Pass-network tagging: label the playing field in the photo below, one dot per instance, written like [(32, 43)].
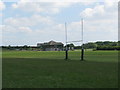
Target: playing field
[(38, 69)]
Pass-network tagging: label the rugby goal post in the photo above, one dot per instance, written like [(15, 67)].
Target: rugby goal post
[(66, 49)]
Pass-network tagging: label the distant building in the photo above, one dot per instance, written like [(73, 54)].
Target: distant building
[(51, 46)]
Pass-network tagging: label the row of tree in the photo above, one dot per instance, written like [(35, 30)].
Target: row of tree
[(25, 47), (106, 45)]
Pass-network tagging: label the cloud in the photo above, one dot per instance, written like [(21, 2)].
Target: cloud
[(26, 25), (101, 20), (25, 29), (97, 10), (66, 0), (1, 14), (29, 7), (53, 7), (13, 35), (34, 24), (108, 3), (2, 6), (106, 9), (38, 7), (100, 23), (28, 21)]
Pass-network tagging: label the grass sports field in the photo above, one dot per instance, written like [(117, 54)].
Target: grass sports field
[(38, 69)]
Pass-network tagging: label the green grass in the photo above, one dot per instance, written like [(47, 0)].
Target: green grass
[(35, 69)]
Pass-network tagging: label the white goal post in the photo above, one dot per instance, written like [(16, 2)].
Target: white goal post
[(82, 51)]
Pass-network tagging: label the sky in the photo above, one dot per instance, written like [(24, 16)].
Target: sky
[(29, 23)]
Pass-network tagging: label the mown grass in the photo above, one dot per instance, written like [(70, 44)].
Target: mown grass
[(36, 69)]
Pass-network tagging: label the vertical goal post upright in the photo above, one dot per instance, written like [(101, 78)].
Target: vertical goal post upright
[(66, 48), (82, 51)]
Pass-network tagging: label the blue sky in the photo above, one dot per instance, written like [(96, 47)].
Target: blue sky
[(27, 23)]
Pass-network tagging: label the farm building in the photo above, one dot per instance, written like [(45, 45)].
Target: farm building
[(51, 46)]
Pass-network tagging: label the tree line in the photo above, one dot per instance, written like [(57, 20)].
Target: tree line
[(99, 45)]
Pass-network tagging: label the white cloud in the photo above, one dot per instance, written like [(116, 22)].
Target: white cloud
[(108, 3), (37, 19), (100, 24), (88, 12), (86, 3), (38, 7), (30, 7), (13, 30), (101, 21), (1, 14), (17, 21), (27, 25), (15, 5), (32, 36), (62, 4), (66, 0), (106, 9), (2, 5), (1, 26), (28, 21), (53, 7), (25, 29), (97, 10)]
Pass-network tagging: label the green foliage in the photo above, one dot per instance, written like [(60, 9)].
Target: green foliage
[(106, 45), (90, 45), (77, 47)]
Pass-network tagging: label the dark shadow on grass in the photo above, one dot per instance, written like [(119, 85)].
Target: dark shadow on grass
[(58, 73), (60, 59)]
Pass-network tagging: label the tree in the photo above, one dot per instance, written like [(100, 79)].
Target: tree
[(25, 47)]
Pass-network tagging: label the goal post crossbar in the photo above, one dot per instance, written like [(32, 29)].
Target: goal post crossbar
[(74, 41), (82, 52)]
